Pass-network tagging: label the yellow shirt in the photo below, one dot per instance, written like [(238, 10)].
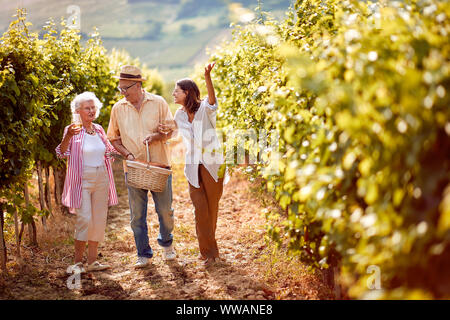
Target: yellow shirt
[(132, 126)]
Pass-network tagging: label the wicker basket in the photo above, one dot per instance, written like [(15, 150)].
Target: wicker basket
[(147, 177)]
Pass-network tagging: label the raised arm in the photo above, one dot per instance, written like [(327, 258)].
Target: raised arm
[(209, 84)]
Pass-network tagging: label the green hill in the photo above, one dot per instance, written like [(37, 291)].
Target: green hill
[(170, 35)]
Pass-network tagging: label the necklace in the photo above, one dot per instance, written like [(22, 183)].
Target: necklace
[(91, 132)]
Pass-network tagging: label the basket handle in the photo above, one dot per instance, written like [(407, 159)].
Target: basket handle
[(148, 153)]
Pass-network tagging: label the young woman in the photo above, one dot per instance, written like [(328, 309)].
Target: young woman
[(196, 122), (89, 185)]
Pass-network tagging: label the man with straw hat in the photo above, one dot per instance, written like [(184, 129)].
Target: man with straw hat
[(134, 120)]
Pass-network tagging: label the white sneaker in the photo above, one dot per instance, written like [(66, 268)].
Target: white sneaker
[(97, 266), (76, 268), (141, 262), (169, 253)]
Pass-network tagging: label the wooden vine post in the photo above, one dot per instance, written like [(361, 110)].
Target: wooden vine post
[(31, 226), (16, 231), (3, 254)]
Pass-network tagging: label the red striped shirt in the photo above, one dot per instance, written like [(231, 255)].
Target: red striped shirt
[(72, 186)]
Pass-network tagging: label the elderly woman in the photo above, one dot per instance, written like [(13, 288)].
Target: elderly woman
[(89, 185)]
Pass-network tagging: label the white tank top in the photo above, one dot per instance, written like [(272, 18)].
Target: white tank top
[(93, 151)]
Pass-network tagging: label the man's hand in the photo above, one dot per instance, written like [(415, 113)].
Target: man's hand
[(117, 144), (152, 137), (166, 127)]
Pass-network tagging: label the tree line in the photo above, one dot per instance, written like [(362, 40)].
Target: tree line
[(359, 95), (38, 79)]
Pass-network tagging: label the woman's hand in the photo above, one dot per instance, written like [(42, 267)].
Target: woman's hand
[(208, 69), (73, 130), (209, 85)]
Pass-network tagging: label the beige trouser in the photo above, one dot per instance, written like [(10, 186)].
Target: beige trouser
[(91, 217), (206, 204)]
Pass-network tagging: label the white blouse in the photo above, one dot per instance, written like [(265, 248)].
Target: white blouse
[(201, 141), (93, 151)]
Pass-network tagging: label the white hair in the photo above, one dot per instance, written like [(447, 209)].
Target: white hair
[(83, 97)]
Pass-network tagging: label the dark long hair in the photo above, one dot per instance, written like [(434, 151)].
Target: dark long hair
[(192, 102)]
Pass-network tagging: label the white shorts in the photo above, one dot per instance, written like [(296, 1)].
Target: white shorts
[(91, 217)]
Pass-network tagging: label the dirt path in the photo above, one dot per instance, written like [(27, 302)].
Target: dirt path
[(249, 268)]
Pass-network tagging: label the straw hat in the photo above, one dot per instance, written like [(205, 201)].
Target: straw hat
[(130, 73)]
